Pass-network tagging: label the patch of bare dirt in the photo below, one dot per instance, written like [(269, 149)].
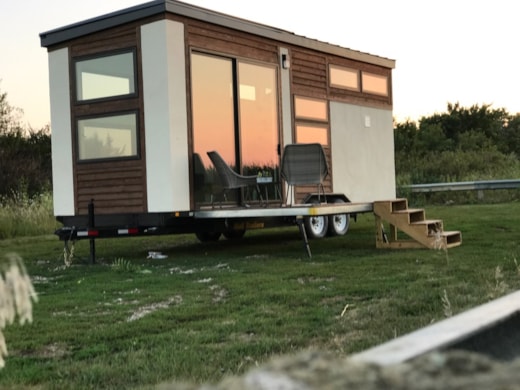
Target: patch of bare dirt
[(147, 309), (51, 351)]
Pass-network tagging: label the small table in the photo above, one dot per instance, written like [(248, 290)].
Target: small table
[(265, 181)]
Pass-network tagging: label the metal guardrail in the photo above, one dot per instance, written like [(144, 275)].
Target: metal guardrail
[(466, 186)]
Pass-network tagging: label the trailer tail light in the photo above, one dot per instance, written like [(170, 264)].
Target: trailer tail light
[(127, 231), (88, 233)]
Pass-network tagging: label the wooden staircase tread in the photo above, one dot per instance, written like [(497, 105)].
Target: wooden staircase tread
[(408, 211), (427, 222), (450, 233)]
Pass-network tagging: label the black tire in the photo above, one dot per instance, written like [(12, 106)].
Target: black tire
[(339, 223), (208, 236), (234, 234), (317, 226)]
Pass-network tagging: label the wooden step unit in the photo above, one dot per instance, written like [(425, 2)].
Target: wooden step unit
[(420, 232)]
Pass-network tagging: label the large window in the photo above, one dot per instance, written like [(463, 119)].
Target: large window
[(312, 120), (108, 137), (106, 76)]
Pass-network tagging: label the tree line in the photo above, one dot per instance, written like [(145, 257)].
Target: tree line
[(463, 143), (25, 154)]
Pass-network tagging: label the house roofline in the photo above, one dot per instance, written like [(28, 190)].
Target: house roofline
[(157, 7)]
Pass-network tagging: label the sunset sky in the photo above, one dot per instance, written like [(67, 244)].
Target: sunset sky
[(445, 51)]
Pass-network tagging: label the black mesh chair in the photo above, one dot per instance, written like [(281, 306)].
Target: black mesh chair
[(229, 178), (304, 164)]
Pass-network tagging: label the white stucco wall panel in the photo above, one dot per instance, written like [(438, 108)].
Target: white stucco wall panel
[(285, 88), (165, 116), (362, 143), (61, 133)]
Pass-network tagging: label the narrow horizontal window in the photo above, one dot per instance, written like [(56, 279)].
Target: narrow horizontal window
[(374, 83), (108, 137), (307, 134), (341, 77), (313, 109), (105, 77)]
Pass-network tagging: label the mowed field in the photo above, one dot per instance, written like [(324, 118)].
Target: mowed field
[(216, 309)]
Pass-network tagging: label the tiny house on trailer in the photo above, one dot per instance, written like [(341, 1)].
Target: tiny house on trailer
[(140, 96)]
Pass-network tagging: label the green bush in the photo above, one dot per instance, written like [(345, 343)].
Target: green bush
[(458, 165), (25, 159), (22, 215), (25, 153), (464, 144)]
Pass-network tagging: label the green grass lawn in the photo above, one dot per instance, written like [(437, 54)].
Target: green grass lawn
[(211, 310)]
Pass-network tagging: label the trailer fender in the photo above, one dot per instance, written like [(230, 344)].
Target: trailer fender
[(328, 198)]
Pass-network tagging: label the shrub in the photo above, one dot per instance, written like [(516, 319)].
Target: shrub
[(22, 215)]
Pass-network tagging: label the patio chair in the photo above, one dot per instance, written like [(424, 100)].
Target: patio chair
[(304, 164), (230, 179)]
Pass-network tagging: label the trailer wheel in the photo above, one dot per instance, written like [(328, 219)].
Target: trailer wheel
[(233, 234), (207, 236), (317, 226), (339, 223)]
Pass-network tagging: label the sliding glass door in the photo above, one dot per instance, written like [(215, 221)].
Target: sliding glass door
[(235, 112), (258, 118)]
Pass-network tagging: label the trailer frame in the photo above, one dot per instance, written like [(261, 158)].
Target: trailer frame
[(218, 220)]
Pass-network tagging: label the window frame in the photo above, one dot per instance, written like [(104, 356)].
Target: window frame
[(316, 126), (375, 75), (111, 53), (311, 121), (136, 156), (347, 69), (312, 118)]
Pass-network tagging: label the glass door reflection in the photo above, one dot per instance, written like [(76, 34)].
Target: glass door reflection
[(213, 120), (244, 131), (259, 136)]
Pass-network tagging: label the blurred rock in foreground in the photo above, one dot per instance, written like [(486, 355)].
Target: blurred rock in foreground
[(322, 371)]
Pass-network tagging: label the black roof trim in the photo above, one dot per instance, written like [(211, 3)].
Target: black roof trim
[(89, 26)]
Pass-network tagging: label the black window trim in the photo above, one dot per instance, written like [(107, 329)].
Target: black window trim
[(137, 156), (108, 53)]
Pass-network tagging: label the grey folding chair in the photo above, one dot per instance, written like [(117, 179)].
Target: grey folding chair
[(231, 179), (304, 164)]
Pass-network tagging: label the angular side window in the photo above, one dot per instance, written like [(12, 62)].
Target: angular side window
[(108, 137), (105, 76)]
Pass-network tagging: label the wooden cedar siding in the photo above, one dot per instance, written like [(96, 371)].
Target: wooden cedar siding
[(222, 40), (309, 74), (117, 186), (309, 79)]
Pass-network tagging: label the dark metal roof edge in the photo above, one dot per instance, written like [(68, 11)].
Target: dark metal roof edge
[(127, 15), (102, 22)]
